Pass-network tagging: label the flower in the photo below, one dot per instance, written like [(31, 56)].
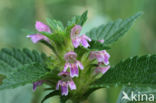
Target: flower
[(65, 82), (41, 27), (37, 37), (72, 63), (36, 84), (77, 39), (101, 56), (83, 40), (102, 69), (101, 41)]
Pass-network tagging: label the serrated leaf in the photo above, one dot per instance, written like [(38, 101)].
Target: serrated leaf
[(83, 18), (95, 45), (79, 20), (26, 74), (136, 71), (113, 30), (13, 59), (56, 25)]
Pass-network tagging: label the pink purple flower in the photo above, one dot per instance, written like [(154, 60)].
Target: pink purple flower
[(72, 63), (78, 39), (65, 82), (101, 56), (101, 41), (36, 84), (102, 69), (37, 37), (41, 27)]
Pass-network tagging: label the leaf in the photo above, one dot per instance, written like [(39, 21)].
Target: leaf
[(26, 74), (79, 20), (19, 95), (90, 91), (13, 59), (51, 94), (56, 26), (63, 99), (135, 71), (94, 45), (80, 51), (113, 30), (83, 18)]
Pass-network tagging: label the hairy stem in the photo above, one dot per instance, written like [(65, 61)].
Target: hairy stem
[(52, 48)]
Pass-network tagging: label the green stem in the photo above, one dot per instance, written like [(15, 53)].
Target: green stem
[(52, 48)]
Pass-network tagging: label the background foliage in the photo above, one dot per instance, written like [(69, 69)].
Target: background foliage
[(19, 15)]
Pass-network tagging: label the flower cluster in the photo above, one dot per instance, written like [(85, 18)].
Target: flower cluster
[(40, 27), (65, 82), (71, 62), (102, 58), (73, 65), (70, 57), (79, 39)]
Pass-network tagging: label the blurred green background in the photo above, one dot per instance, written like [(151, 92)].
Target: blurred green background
[(19, 16)]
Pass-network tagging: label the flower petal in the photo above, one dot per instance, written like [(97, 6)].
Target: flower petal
[(83, 40), (106, 57), (72, 85), (36, 84), (70, 55), (102, 69), (63, 73), (84, 43), (66, 66), (42, 27), (101, 56), (74, 71), (76, 42), (75, 31), (58, 84), (101, 41), (80, 65), (37, 37), (86, 37), (64, 88)]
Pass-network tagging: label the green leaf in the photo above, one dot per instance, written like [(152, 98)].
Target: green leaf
[(95, 45), (79, 20), (22, 94), (26, 74), (113, 30), (13, 59), (56, 26), (46, 34), (51, 94), (135, 71), (63, 99), (83, 18)]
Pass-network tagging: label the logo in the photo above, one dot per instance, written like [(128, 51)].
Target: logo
[(137, 96)]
